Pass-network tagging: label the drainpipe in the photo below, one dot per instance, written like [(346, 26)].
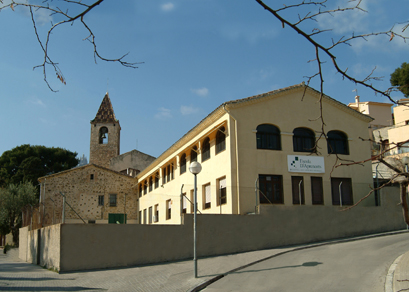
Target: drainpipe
[(63, 209), (125, 219), (255, 190), (378, 197), (340, 194), (299, 191), (237, 157), (181, 203)]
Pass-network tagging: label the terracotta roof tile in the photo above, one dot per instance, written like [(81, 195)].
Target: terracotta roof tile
[(105, 113)]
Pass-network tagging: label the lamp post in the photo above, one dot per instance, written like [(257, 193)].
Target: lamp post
[(195, 168)]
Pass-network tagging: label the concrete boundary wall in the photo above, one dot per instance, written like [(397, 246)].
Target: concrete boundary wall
[(94, 246), (41, 246)]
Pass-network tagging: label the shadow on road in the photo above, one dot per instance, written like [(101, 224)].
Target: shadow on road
[(31, 279), (42, 288), (306, 264)]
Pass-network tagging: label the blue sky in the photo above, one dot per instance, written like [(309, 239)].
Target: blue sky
[(196, 55)]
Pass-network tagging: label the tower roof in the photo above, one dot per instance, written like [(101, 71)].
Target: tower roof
[(105, 113)]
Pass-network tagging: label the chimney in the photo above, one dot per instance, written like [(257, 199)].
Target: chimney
[(357, 99)]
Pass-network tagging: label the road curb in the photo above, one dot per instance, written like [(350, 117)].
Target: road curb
[(391, 272), (335, 241)]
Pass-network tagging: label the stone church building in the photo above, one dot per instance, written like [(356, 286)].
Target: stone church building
[(103, 191)]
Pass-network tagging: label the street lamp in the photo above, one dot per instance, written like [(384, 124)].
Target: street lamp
[(195, 168), (404, 185)]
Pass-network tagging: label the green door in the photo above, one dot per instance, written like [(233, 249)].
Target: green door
[(117, 218)]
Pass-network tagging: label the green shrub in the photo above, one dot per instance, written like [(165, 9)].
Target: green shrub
[(6, 248)]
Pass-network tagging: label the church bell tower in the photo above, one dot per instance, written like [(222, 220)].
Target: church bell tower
[(105, 135)]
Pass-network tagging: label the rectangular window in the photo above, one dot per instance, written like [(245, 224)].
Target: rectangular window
[(112, 200), (207, 196), (297, 183), (91, 177), (184, 203), (156, 213), (171, 171), (403, 148), (317, 190), (168, 209), (271, 189), (343, 185), (101, 200), (168, 173), (221, 185), (144, 216), (140, 217)]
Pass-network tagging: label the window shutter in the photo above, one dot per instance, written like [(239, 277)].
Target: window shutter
[(222, 183), (208, 194), (184, 202)]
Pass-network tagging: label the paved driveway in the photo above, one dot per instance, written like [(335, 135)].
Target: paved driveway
[(350, 266)]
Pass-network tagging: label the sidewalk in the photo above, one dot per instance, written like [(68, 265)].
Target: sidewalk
[(401, 274), (16, 275)]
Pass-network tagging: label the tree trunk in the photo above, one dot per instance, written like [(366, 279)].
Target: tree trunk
[(403, 187), (15, 232)]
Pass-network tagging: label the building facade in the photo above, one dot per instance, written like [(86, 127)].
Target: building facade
[(266, 149), (98, 192), (276, 148), (93, 194)]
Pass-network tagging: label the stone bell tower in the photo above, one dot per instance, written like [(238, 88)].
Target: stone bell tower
[(105, 135)]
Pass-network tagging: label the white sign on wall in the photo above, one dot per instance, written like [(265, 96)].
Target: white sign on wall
[(311, 164)]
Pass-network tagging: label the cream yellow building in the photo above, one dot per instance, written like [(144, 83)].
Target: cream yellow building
[(261, 150), (391, 142), (379, 111)]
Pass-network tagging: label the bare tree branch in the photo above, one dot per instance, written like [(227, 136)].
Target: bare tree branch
[(366, 82), (370, 193), (82, 9)]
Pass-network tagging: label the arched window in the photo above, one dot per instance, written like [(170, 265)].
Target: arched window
[(103, 135), (164, 175), (156, 180), (183, 163), (145, 187), (193, 154), (206, 149), (220, 140), (337, 143), (268, 137), (303, 140), (150, 184)]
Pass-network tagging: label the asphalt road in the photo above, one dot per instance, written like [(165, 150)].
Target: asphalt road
[(360, 265)]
